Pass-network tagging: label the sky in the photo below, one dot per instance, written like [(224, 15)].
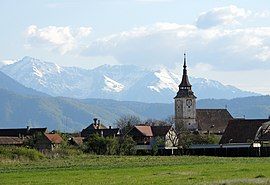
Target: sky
[(228, 41)]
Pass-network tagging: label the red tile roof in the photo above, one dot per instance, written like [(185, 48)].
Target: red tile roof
[(151, 131), (54, 138), (145, 130)]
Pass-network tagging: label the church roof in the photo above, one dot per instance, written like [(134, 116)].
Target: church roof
[(185, 81), (213, 120), (185, 86)]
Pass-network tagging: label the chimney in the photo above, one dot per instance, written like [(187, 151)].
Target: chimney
[(110, 127), (95, 121), (98, 124)]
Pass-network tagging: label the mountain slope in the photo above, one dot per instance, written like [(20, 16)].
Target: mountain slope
[(69, 114), (123, 82), (11, 85)]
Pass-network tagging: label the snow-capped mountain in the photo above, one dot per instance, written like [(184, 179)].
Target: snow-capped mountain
[(121, 82)]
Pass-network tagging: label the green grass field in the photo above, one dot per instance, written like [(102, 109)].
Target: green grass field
[(92, 169)]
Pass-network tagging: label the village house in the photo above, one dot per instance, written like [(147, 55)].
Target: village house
[(48, 141), (98, 128), (76, 141), (38, 137), (247, 131), (18, 136), (147, 136)]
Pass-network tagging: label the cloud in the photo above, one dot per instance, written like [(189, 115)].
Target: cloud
[(222, 16), (164, 44), (263, 14), (62, 39), (154, 1)]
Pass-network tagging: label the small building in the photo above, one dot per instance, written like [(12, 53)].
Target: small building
[(18, 136), (48, 141), (146, 136), (98, 128), (246, 131), (76, 141)]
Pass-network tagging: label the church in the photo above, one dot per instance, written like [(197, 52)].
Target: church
[(188, 117)]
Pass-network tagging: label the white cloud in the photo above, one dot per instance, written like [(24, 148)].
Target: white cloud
[(263, 14), (222, 16), (164, 43), (63, 39)]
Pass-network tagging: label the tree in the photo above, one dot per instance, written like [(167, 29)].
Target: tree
[(125, 123), (126, 146), (109, 146), (154, 122)]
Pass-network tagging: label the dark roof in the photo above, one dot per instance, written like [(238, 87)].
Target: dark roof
[(213, 120), (185, 86), (4, 140), (54, 138), (107, 132), (77, 140), (92, 129), (185, 81), (150, 131), (16, 132), (160, 130), (242, 130)]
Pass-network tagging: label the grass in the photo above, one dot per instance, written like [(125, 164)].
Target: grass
[(93, 169)]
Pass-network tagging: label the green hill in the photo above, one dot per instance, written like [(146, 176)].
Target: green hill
[(69, 114)]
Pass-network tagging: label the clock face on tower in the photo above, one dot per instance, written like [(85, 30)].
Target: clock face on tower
[(189, 102)]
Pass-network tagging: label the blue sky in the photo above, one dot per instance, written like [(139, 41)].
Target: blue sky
[(227, 41)]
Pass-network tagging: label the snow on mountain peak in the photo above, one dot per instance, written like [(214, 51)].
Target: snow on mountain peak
[(166, 81), (111, 85), (123, 82)]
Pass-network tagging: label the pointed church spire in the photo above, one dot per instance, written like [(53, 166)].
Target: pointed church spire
[(185, 81), (185, 65), (185, 87)]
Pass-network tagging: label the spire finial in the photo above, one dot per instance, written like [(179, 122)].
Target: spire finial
[(185, 62)]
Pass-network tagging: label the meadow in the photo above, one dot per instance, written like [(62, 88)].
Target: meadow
[(98, 169)]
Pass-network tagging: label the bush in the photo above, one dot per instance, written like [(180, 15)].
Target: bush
[(12, 152), (109, 146), (187, 139)]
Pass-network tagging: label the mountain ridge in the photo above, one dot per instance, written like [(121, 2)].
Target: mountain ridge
[(119, 82)]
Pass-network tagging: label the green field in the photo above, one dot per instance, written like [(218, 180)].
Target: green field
[(92, 169)]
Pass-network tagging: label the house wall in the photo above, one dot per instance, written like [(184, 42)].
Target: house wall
[(171, 139), (44, 144)]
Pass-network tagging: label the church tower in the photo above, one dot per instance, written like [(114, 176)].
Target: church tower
[(185, 104)]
